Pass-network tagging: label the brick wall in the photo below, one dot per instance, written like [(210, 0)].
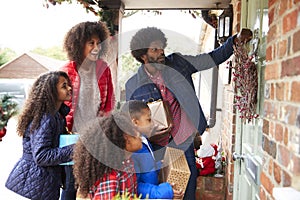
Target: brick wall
[(281, 127), (210, 188)]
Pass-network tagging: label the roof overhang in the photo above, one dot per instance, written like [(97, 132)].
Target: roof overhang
[(165, 4)]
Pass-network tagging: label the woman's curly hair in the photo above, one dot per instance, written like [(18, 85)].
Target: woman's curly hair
[(141, 41), (100, 149), (79, 34), (42, 100)]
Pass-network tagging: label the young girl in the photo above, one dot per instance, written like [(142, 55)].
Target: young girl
[(91, 80), (103, 167), (37, 175)]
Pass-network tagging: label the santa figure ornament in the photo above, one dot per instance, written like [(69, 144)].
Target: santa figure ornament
[(206, 159)]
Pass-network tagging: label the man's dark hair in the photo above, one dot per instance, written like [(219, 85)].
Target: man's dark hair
[(141, 41)]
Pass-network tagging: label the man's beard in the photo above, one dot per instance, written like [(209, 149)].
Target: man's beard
[(158, 63)]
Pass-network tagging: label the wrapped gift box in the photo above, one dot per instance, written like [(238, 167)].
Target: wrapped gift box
[(67, 139), (160, 113), (176, 170)]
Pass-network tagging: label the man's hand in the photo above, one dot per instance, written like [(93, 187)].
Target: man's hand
[(244, 36), (160, 134)]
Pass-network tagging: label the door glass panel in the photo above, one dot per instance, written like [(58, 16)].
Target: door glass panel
[(249, 135)]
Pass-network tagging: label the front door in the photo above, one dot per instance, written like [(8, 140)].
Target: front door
[(248, 144)]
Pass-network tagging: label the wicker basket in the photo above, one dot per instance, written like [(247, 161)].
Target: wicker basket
[(176, 169)]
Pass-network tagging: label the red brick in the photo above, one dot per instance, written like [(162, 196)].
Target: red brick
[(208, 184), (287, 179), (265, 126), (229, 196), (271, 166), (272, 129), (290, 4), (210, 188), (267, 108), (269, 53), (290, 114), (266, 183), (296, 43), (272, 33), (279, 133), (262, 194), (295, 92), (270, 110), (284, 155), (296, 165), (277, 173), (211, 196), (200, 182), (238, 6), (282, 7), (272, 3), (287, 90), (289, 21), (271, 15), (286, 136), (282, 48), (269, 146), (219, 184), (272, 71), (272, 92), (279, 90), (291, 67)]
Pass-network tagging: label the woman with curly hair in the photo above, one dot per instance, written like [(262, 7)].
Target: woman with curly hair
[(91, 79), (37, 175), (103, 167)]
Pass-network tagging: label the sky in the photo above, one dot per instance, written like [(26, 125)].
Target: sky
[(181, 29), (26, 24)]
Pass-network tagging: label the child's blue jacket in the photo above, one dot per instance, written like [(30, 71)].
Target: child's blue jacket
[(147, 175)]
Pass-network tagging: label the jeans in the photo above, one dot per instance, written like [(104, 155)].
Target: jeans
[(69, 191), (188, 148)]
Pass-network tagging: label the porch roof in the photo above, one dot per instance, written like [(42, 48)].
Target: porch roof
[(165, 4)]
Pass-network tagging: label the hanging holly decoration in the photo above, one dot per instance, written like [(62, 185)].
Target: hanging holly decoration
[(246, 82)]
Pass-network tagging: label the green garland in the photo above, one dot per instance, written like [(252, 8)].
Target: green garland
[(106, 15), (8, 108)]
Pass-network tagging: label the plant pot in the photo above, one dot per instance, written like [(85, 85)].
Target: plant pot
[(2, 132)]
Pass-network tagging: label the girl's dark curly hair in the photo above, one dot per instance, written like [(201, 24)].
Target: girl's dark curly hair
[(42, 100), (134, 108), (100, 149), (141, 41), (79, 34)]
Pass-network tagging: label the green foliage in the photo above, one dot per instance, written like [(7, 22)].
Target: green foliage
[(6, 55), (55, 52), (129, 67), (8, 108), (129, 63)]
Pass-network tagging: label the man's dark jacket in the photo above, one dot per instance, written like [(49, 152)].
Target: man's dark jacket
[(177, 76)]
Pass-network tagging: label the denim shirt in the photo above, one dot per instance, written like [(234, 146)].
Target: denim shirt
[(177, 75)]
